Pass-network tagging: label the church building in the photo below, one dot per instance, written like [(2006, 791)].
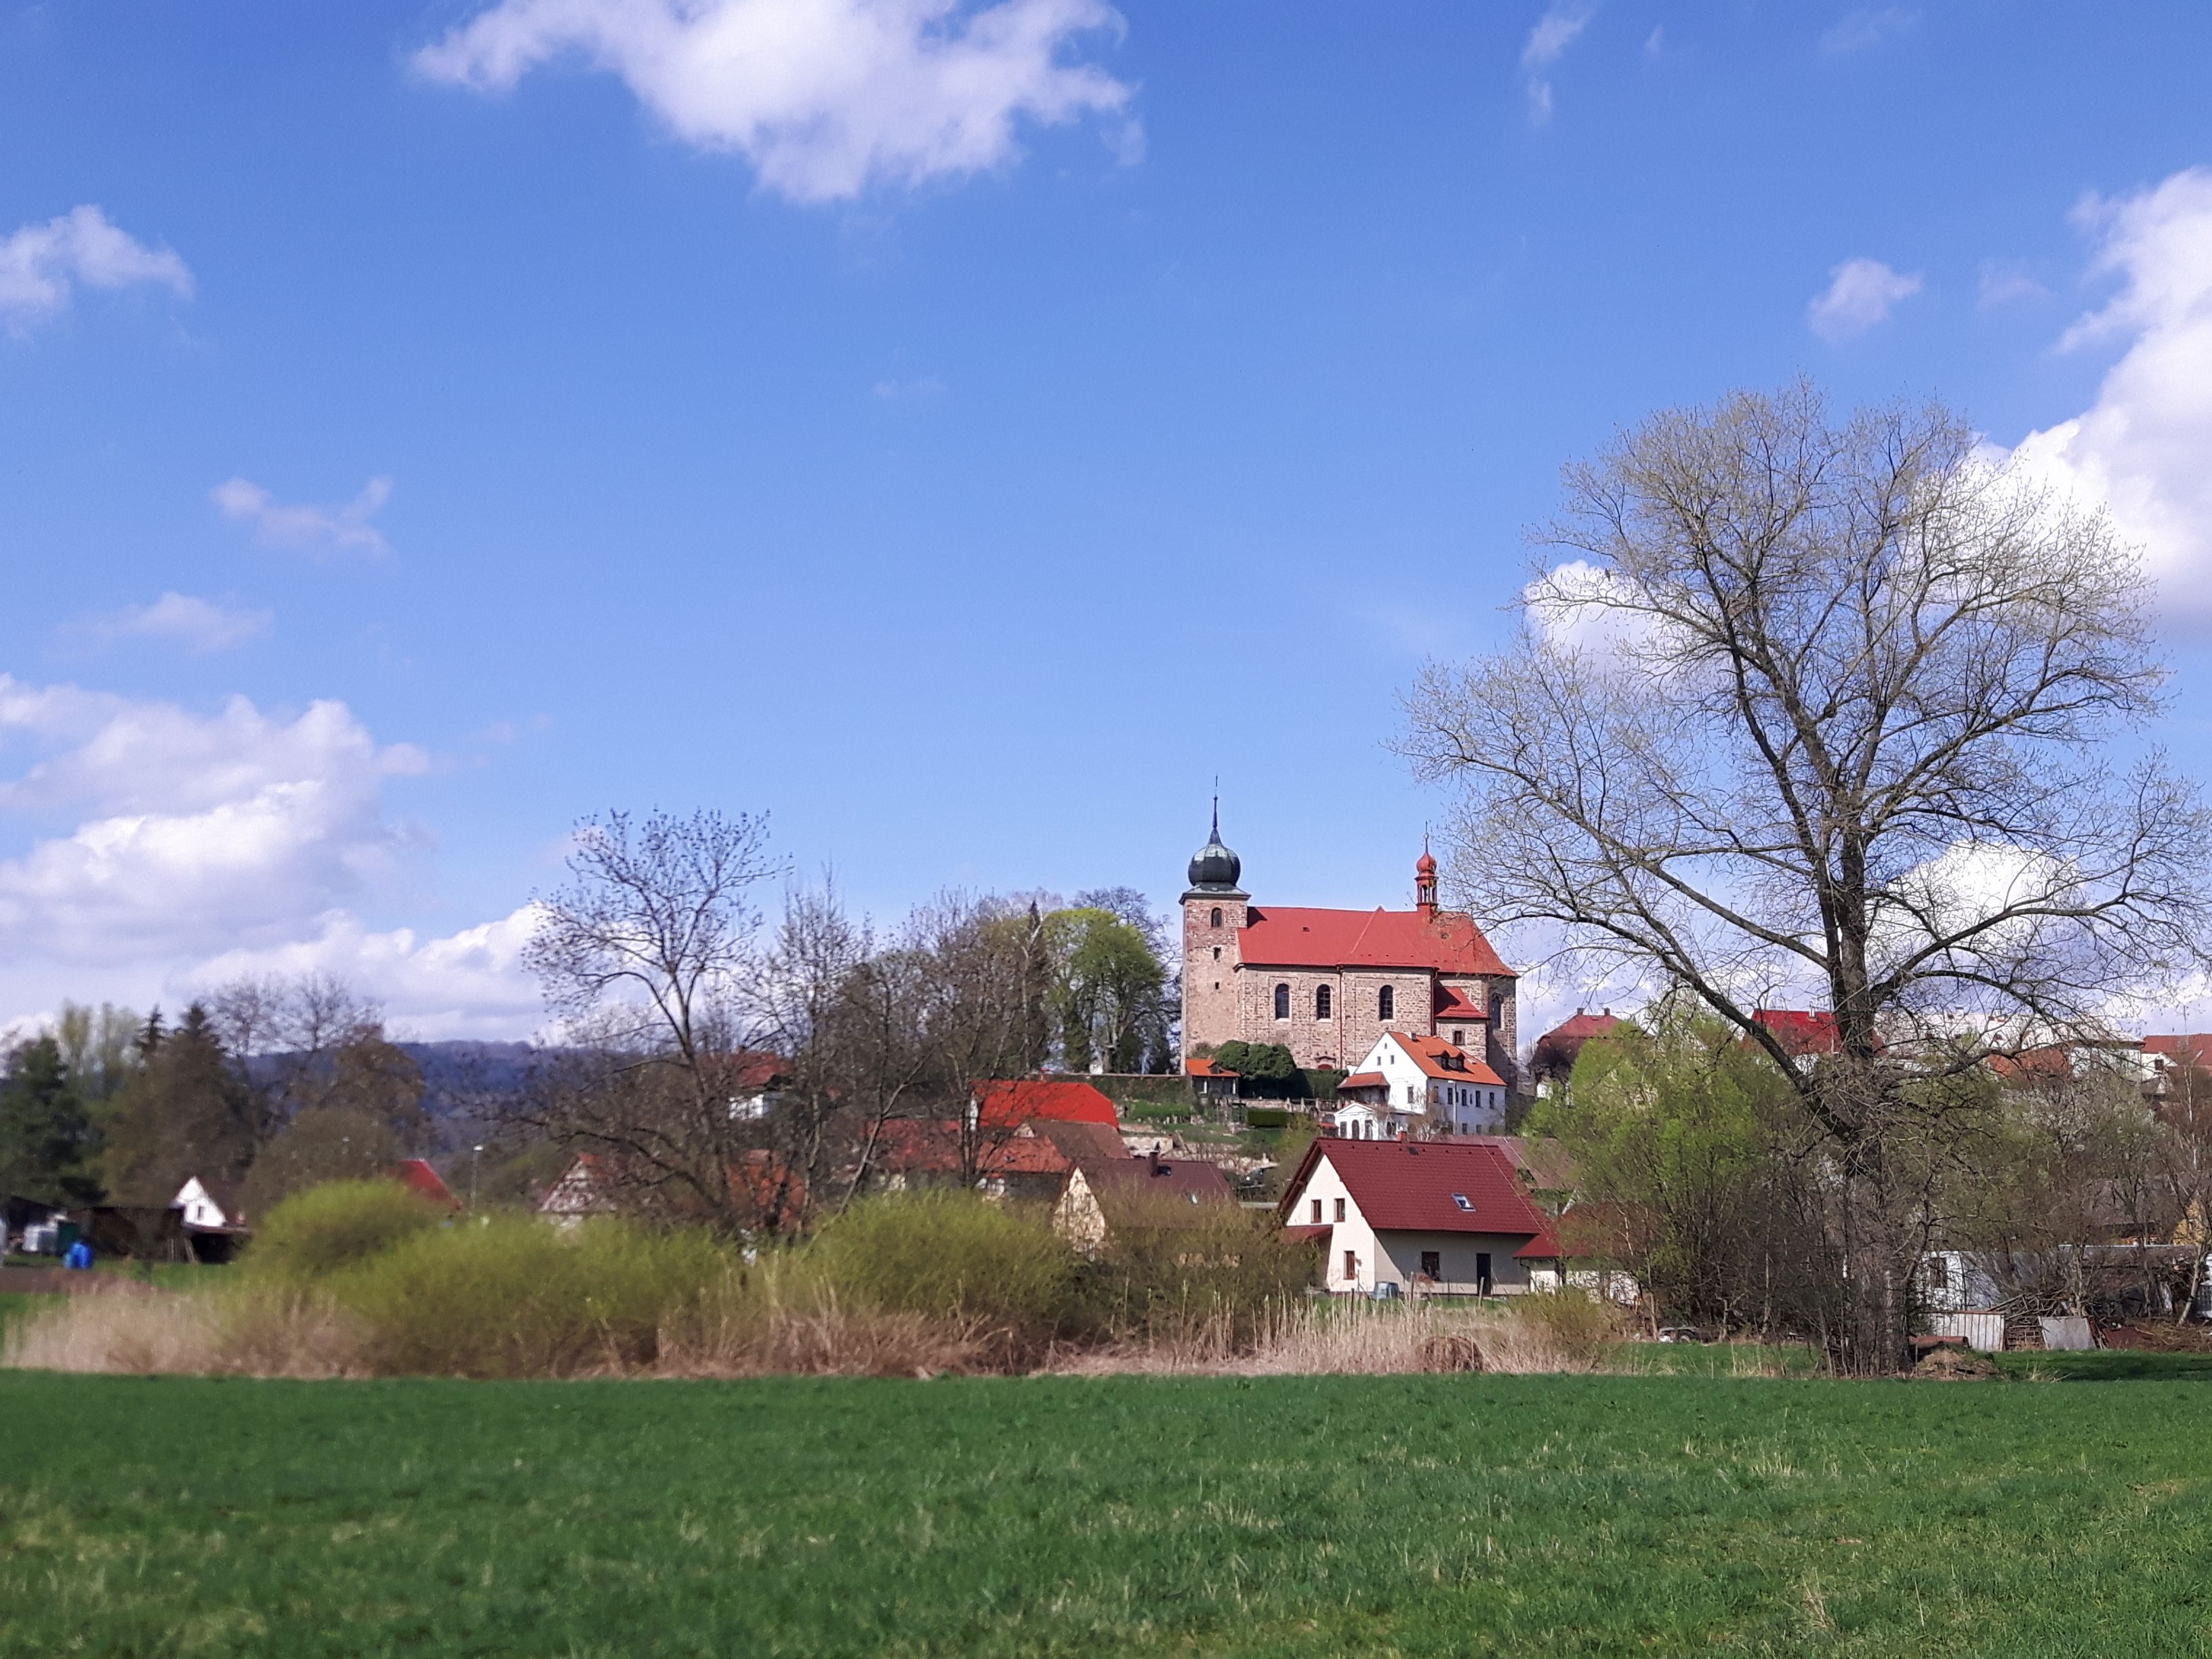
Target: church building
[(1327, 984)]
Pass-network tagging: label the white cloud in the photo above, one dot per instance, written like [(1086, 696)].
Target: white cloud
[(822, 97), (191, 832), (1869, 27), (1860, 295), (2141, 448), (1582, 608), (305, 528), (468, 984), (169, 850), (1555, 31), (40, 265), (197, 624)]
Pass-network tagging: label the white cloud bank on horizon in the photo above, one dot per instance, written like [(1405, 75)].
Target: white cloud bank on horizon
[(172, 849), (197, 624), (1860, 295), (41, 266), (824, 97), (348, 529), (2141, 449)]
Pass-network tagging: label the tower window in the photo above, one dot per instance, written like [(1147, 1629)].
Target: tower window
[(1282, 1002), (1216, 953), (1217, 916), (1321, 1002), (1385, 1003)]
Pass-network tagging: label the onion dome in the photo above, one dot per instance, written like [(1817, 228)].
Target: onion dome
[(1214, 868)]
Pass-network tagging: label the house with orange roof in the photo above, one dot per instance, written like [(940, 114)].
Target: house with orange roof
[(1419, 1085), (1326, 984)]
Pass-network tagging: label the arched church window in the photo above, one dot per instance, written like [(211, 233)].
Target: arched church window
[(1217, 916), (1385, 1003), (1321, 1002), (1282, 1002)]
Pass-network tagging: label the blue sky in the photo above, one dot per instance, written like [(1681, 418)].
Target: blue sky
[(961, 432)]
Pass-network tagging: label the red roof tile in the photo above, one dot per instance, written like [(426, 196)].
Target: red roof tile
[(1447, 942), (1004, 1103), (415, 1173), (1452, 1005), (1800, 1031), (1414, 1186), (925, 1147)]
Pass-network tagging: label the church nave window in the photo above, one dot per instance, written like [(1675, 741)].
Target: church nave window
[(1321, 1002), (1282, 1002), (1385, 1003)]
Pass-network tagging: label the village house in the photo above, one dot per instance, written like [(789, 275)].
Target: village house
[(1419, 1085), (1326, 984), (1432, 1216), (1103, 1193), (1551, 1062)]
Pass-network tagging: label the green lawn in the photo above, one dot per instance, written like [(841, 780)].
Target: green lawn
[(1411, 1516)]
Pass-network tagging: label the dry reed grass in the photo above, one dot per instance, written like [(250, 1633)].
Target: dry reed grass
[(263, 1334)]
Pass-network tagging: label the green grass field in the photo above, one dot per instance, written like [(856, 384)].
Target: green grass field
[(1405, 1515)]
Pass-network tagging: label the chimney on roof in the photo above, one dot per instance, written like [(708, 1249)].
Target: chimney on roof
[(1155, 1159)]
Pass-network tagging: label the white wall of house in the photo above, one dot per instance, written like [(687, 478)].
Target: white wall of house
[(200, 1208), (1359, 1257), (1412, 1097)]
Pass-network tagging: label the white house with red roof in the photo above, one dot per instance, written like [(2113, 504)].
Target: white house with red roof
[(1434, 1217), (1419, 1085), (1327, 984)]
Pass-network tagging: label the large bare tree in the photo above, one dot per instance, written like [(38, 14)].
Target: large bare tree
[(1841, 710), (644, 953)]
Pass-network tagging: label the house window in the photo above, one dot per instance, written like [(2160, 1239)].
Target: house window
[(1321, 1002), (1217, 916), (1216, 953), (1316, 1209), (1939, 1272), (1386, 1004), (1339, 1210), (1409, 1094), (1351, 1264), (1459, 1034), (1282, 1002), (1433, 1264)]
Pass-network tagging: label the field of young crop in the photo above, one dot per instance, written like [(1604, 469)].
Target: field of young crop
[(1405, 1515)]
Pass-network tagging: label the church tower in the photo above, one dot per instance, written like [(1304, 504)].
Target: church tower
[(1213, 909)]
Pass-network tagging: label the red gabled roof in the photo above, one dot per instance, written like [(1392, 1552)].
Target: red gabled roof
[(1447, 942), (1363, 1080), (2183, 1049), (1452, 1005), (1410, 1186), (1201, 1066), (415, 1173), (922, 1147), (1446, 1061), (1005, 1102), (1581, 1028), (1800, 1031)]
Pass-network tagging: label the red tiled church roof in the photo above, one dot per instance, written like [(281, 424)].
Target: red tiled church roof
[(1446, 942), (1452, 1004), (1414, 1186)]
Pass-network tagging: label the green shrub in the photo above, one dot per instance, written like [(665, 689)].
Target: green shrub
[(509, 1296), (1268, 1117), (1171, 1273), (327, 1229), (1582, 1326), (953, 1256)]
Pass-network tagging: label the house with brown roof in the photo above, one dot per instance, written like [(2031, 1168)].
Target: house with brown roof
[(1447, 1218), (1553, 1060), (1419, 1085), (1103, 1193), (1325, 984)]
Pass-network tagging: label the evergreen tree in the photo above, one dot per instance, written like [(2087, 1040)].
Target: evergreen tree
[(187, 1110), (46, 1138)]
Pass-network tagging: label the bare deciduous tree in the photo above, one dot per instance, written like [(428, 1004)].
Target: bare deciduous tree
[(644, 952), (1832, 709)]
